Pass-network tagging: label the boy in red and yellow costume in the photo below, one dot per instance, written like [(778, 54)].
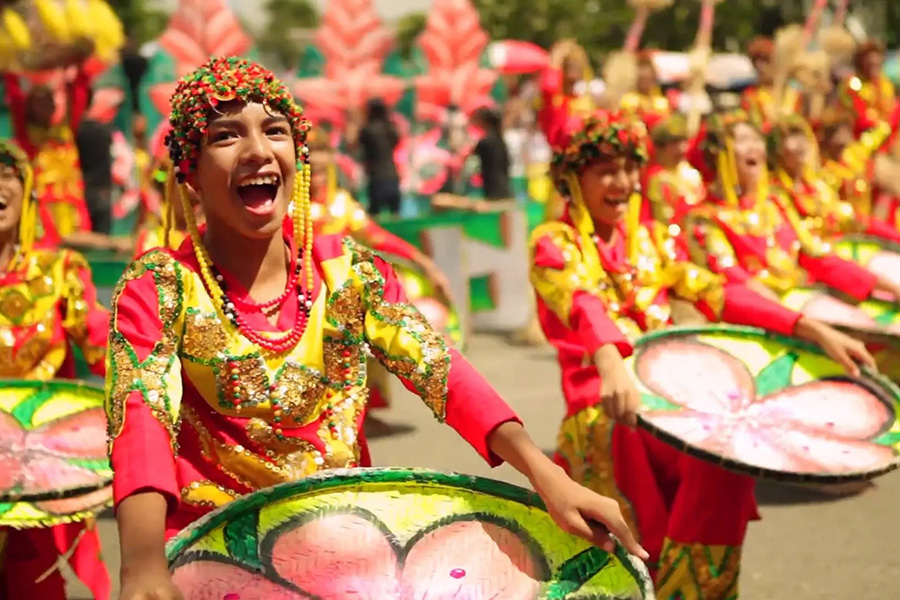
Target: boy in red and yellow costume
[(48, 308), (868, 94), (213, 394), (51, 148), (601, 280), (749, 234), (671, 184), (759, 100), (647, 98), (800, 184)]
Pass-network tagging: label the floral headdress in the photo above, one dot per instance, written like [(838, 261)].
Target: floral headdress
[(223, 80), (13, 156), (600, 136)]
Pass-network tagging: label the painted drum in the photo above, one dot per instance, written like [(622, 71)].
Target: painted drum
[(873, 320), (392, 534), (54, 454), (765, 405)]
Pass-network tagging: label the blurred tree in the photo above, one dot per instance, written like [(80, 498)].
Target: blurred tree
[(278, 41), (601, 25), (142, 23), (407, 30)]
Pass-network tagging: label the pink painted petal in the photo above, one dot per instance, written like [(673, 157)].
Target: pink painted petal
[(836, 312), (886, 264), (12, 444), (470, 560), (93, 501), (700, 429), (338, 556), (697, 376), (44, 472), (830, 454), (839, 408), (210, 580), (80, 435)]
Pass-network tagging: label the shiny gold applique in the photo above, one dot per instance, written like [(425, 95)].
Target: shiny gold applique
[(14, 305), (204, 337), (302, 391), (243, 378), (344, 362), (345, 310), (126, 373), (206, 494)]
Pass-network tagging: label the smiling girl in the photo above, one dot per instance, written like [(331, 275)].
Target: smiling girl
[(238, 361)]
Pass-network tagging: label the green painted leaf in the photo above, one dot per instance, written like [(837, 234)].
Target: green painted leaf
[(242, 539), (886, 318), (891, 438), (777, 375), (93, 464), (24, 411), (574, 572), (653, 402)]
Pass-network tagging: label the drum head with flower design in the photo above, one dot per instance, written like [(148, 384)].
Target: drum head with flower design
[(53, 451), (393, 534), (766, 405)]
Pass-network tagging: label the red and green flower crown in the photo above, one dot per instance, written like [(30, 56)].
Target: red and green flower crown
[(599, 136), (13, 156), (224, 80)]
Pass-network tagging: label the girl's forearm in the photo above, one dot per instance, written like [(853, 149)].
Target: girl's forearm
[(142, 531), (512, 443)]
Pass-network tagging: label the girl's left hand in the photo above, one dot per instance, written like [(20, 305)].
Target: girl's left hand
[(840, 347), (582, 512)]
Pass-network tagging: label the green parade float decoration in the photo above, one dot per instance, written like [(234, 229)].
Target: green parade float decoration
[(391, 534)]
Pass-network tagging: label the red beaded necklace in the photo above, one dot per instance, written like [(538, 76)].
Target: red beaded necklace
[(279, 344)]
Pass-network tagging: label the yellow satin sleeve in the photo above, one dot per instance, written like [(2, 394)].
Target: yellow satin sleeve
[(398, 335), (557, 286)]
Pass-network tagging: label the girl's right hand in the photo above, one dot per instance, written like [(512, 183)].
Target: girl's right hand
[(152, 584)]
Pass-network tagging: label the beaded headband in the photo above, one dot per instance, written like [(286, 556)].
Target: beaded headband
[(600, 136), (13, 156), (220, 80)]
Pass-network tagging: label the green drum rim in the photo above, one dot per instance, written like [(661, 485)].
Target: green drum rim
[(865, 334), (873, 382), (581, 567), (51, 387), (862, 238)]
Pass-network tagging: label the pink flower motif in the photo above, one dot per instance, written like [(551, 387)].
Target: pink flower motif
[(41, 460), (822, 427), (340, 556)]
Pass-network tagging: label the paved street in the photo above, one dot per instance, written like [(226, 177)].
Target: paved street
[(806, 547)]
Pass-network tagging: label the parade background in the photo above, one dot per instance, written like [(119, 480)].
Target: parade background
[(426, 60)]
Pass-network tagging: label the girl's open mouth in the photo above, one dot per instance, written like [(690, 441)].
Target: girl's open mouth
[(259, 193)]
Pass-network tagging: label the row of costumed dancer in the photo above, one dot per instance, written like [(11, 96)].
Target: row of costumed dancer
[(212, 394)]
